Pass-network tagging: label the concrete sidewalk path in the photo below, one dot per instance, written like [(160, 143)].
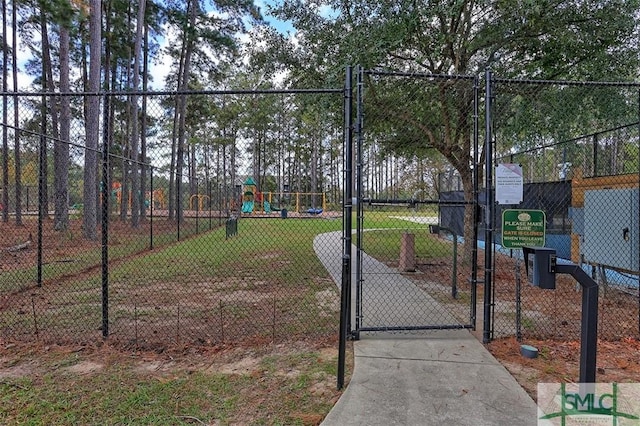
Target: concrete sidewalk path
[(443, 377)]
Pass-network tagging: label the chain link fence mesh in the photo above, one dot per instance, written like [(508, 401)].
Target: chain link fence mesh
[(268, 164), (415, 270), (577, 145), (228, 249)]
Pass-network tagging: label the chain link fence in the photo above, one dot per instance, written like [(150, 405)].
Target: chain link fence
[(415, 272), (224, 226), (205, 224), (577, 146)]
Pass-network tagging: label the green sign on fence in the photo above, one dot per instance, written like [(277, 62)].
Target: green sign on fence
[(523, 228)]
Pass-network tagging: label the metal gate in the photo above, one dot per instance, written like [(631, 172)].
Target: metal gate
[(415, 250)]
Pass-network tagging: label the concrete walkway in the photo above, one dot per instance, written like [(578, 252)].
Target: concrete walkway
[(442, 377)]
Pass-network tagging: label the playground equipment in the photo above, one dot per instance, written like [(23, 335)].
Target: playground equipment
[(156, 197), (254, 201), (249, 196), (201, 199), (299, 204), (247, 206)]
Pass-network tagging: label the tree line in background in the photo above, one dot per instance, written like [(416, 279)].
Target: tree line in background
[(110, 47), (92, 46), (533, 39)]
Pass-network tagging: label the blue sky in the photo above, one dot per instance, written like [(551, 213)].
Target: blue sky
[(282, 26)]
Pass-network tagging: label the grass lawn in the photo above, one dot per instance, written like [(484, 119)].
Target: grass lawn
[(285, 376), (270, 385), (259, 380)]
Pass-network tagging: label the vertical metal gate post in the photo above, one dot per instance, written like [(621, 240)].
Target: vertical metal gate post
[(151, 208), (42, 202), (359, 206), (476, 166), (638, 230), (488, 216), (197, 207), (105, 218), (345, 294)]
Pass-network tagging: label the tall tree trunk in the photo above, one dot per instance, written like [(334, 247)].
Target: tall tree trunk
[(92, 125), (263, 171), (184, 85), (173, 177), (222, 176), (193, 178), (128, 156), (16, 118), (61, 149), (172, 164), (143, 128), (49, 86), (314, 170), (232, 164), (135, 119), (109, 82)]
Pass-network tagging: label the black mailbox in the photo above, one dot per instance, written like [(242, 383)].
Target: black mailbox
[(540, 264)]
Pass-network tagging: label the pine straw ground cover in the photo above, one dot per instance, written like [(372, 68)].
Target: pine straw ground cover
[(559, 361)]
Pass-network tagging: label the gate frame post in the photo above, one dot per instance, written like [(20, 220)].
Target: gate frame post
[(359, 206), (488, 217), (345, 288), (476, 204)]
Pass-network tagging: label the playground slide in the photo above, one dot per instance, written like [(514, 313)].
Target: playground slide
[(247, 206), (268, 208)]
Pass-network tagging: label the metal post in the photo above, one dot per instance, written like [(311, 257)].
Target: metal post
[(220, 203), (359, 206), (151, 210), (595, 155), (454, 272), (518, 301), (476, 204), (42, 203), (345, 294), (589, 322), (197, 207), (488, 231), (178, 200), (105, 219)]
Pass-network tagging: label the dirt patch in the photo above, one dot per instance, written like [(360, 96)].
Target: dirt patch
[(246, 365), (85, 367), (16, 371)]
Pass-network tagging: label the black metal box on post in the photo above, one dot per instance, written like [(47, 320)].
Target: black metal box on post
[(542, 262)]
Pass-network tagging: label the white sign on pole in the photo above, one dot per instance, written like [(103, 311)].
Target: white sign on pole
[(509, 183)]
